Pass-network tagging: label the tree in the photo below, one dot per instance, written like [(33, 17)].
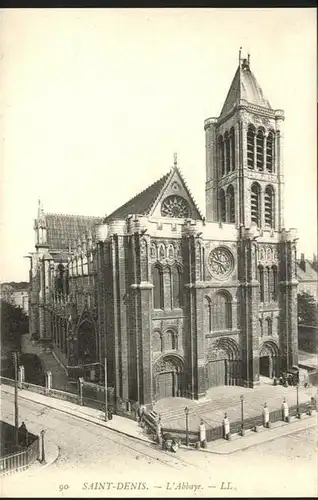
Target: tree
[(307, 309), (14, 321)]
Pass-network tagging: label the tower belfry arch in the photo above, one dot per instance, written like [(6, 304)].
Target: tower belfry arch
[(244, 146)]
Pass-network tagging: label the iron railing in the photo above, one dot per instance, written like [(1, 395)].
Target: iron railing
[(20, 460)]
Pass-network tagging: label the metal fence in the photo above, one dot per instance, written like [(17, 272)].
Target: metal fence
[(94, 397), (21, 460)]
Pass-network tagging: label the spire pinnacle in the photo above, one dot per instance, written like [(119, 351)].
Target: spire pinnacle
[(240, 55), (175, 159)]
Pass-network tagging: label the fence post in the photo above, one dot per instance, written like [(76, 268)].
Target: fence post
[(48, 380), (80, 383), (226, 427), (266, 422)]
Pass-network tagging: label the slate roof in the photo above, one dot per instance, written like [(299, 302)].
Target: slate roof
[(244, 86), (309, 274), (63, 229), (142, 202)]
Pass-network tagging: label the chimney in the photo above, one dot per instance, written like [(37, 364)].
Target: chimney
[(302, 262)]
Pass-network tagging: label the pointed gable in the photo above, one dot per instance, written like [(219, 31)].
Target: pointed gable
[(176, 190), (148, 202), (244, 86)]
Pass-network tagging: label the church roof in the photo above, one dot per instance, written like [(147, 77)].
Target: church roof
[(244, 86), (142, 202), (145, 202), (63, 229)]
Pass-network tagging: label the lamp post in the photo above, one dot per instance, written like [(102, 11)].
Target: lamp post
[(43, 461), (297, 392), (242, 414), (186, 411), (16, 410), (105, 382)]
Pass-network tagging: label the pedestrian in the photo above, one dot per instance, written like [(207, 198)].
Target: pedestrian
[(23, 433), (202, 433), (285, 410), (159, 430)]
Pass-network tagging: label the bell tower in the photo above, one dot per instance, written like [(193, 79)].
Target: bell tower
[(244, 161)]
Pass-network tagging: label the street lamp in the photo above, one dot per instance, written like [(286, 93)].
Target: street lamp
[(42, 461), (242, 414), (16, 409), (297, 392), (186, 411)]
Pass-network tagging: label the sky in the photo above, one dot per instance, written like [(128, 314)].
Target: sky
[(94, 103)]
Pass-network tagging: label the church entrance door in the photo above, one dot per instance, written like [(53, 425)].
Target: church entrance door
[(217, 373), (269, 360), (165, 386), (264, 366)]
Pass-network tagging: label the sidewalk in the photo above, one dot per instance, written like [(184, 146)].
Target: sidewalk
[(131, 428), (118, 424), (279, 429)]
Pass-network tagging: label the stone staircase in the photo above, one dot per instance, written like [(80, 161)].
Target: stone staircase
[(227, 400)]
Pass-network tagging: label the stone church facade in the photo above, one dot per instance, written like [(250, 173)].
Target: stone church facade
[(178, 302)]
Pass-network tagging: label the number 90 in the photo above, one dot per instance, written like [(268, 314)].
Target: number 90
[(63, 487)]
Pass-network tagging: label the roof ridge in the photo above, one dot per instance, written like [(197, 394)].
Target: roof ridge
[(74, 215), (131, 200), (190, 192), (168, 175)]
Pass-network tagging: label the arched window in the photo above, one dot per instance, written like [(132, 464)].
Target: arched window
[(230, 204), (59, 280), (222, 209), (227, 152), (157, 280), (221, 312), (260, 150), (255, 203), (274, 284), (207, 320), (270, 152), (269, 326), (176, 288), (221, 156), (269, 207), (261, 283), (251, 147), (170, 340), (268, 279), (174, 339), (232, 138)]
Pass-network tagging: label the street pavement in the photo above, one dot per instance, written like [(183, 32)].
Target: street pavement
[(91, 456)]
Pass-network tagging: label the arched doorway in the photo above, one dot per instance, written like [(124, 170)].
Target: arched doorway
[(223, 366), (168, 377), (269, 359), (86, 342)]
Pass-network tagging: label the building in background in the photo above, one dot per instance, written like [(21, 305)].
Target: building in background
[(16, 294), (179, 302), (307, 276)]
